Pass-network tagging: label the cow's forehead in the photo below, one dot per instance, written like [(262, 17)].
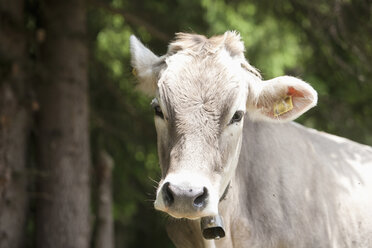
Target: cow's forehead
[(199, 93), (190, 82)]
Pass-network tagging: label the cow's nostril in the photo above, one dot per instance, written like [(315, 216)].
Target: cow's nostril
[(201, 198), (167, 195)]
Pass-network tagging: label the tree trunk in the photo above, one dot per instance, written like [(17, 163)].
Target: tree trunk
[(105, 226), (63, 213), (14, 125)]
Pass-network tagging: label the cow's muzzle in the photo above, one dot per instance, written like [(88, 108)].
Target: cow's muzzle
[(184, 199), (187, 195)]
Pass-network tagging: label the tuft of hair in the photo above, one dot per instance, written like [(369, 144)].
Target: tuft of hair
[(199, 44), (187, 41), (233, 43)]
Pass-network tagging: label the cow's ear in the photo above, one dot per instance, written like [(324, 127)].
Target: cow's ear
[(143, 63), (281, 99)]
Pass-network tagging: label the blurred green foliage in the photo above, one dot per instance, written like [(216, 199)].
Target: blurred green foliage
[(326, 43)]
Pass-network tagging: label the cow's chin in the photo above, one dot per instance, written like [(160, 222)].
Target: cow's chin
[(195, 215)]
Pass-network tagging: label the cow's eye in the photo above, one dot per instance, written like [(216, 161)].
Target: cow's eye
[(237, 117), (157, 110)]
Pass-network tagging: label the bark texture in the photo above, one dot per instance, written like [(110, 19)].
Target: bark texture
[(14, 125), (105, 227), (63, 213)]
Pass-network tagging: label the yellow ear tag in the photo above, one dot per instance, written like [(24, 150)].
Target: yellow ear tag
[(283, 106), (134, 72)]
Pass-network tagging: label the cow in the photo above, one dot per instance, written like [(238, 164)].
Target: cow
[(236, 171)]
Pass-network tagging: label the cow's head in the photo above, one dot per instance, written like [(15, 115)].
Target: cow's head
[(203, 89)]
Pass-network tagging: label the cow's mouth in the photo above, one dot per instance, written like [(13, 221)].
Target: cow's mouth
[(187, 195)]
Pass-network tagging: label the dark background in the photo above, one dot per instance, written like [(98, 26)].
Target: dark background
[(70, 117)]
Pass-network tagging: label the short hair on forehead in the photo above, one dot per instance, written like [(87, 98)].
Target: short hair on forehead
[(200, 45)]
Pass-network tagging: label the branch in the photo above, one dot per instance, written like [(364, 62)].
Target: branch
[(135, 20)]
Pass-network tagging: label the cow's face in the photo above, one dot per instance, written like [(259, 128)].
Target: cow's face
[(199, 113), (203, 89)]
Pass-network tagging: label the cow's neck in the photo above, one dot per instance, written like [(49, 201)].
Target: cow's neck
[(230, 211)]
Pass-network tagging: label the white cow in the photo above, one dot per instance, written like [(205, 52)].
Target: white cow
[(228, 152)]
